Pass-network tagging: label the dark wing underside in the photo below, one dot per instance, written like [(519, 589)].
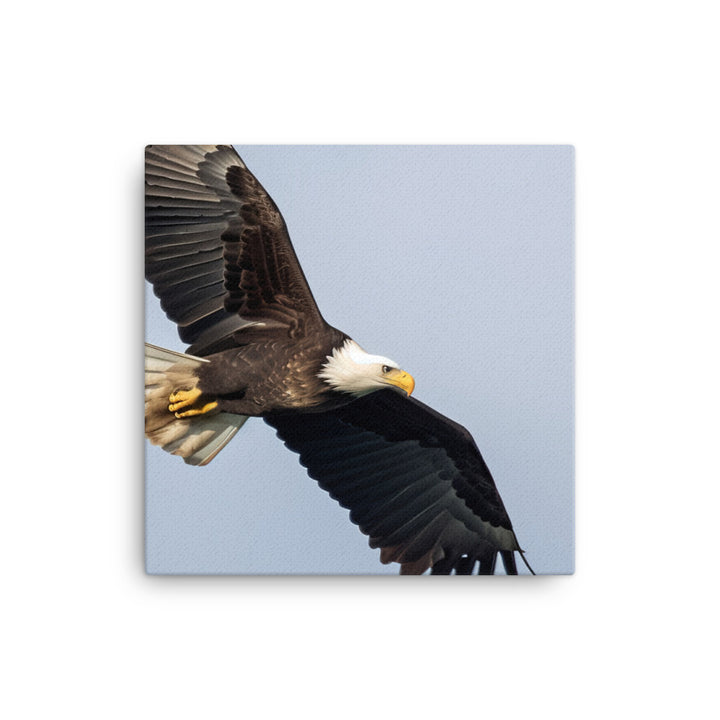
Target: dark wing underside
[(413, 480), (217, 250)]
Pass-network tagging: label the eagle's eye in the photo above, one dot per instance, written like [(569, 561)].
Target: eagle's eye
[(386, 368)]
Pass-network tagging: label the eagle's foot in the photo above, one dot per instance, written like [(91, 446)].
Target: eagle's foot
[(181, 399), (208, 407)]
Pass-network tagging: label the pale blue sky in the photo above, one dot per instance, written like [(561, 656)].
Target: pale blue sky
[(458, 263)]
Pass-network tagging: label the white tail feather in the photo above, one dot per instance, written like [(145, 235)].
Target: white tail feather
[(197, 439)]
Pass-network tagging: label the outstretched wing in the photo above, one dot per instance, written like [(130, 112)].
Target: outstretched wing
[(413, 480), (217, 249)]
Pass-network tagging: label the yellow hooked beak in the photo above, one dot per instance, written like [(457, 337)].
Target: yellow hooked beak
[(401, 379)]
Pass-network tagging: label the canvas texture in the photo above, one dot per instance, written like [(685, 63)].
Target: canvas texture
[(458, 263)]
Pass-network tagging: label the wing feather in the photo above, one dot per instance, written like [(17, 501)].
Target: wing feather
[(413, 480), (205, 213)]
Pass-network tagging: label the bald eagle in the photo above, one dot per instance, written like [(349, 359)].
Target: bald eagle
[(219, 257)]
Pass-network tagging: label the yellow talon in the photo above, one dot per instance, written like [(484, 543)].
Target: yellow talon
[(197, 411), (183, 398)]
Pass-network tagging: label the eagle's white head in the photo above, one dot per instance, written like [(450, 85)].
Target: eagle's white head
[(352, 370)]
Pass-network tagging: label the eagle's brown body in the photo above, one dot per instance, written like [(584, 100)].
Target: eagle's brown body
[(274, 375)]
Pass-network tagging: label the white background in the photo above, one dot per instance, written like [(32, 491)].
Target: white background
[(633, 86)]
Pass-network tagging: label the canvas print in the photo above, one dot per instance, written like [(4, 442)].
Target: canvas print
[(359, 359)]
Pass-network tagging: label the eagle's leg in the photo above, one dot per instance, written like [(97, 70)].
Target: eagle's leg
[(185, 399)]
